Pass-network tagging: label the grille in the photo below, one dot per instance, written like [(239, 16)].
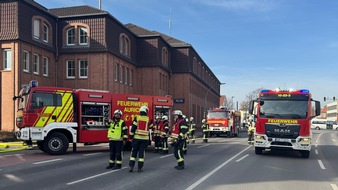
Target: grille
[(282, 130)]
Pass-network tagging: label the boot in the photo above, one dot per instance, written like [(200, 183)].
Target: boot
[(110, 166), (139, 170), (131, 168), (180, 165), (117, 167), (193, 141)]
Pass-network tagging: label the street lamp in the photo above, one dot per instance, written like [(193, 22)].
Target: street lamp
[(206, 95)]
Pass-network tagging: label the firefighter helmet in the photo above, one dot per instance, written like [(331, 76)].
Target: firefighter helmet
[(177, 112), (158, 117), (191, 118), (165, 117), (144, 109), (184, 116), (119, 112), (203, 120)]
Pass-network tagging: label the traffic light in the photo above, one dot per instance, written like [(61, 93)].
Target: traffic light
[(324, 99), (334, 98)]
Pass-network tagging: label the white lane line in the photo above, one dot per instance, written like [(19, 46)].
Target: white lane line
[(166, 156), (316, 145), (47, 161), (334, 186), (215, 170), (223, 140), (321, 165), (94, 176), (13, 178), (333, 139), (242, 158), (91, 154), (316, 151), (203, 146)]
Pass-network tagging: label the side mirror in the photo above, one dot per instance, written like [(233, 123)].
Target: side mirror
[(317, 104), (251, 107)]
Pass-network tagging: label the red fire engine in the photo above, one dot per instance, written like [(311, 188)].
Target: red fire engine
[(283, 120), (223, 121), (55, 117)]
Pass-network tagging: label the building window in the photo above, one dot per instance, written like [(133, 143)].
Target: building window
[(7, 59), (70, 69), (121, 74), (83, 36), (45, 66), (130, 77), (126, 76), (36, 29), (26, 61), (83, 68), (116, 72), (45, 33), (124, 45), (165, 56), (36, 64), (71, 36)]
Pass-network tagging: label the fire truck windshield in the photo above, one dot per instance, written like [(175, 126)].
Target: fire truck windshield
[(22, 98), (214, 115), (284, 109)]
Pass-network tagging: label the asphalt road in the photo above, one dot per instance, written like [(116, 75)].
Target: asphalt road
[(223, 163)]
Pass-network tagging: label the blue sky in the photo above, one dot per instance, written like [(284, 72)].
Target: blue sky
[(248, 44)]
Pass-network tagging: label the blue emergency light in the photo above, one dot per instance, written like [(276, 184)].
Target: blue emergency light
[(304, 91), (34, 83)]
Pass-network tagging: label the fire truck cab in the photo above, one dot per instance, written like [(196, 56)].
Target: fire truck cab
[(223, 121)]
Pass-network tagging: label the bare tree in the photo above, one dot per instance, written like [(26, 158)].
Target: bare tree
[(249, 97)]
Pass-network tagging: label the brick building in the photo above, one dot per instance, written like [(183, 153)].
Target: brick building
[(85, 47)]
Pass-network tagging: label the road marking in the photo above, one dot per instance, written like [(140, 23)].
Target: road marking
[(316, 145), (321, 165), (94, 176), (47, 161), (166, 156), (203, 146), (334, 186), (242, 158), (316, 151), (91, 154), (333, 139), (215, 170), (223, 140)]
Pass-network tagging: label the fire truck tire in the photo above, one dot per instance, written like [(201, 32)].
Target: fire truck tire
[(258, 150), (230, 133), (40, 145), (56, 144), (305, 153)]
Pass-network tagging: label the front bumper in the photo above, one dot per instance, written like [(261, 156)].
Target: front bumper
[(219, 129), (300, 143), (30, 133)]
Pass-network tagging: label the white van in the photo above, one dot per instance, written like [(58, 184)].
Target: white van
[(318, 124)]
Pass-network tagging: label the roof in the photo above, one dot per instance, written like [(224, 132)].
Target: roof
[(84, 10), (142, 32)]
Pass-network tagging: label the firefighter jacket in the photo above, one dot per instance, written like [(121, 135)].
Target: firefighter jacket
[(205, 127), (140, 127), (251, 129), (180, 130), (192, 126), (164, 128), (157, 128), (117, 130)]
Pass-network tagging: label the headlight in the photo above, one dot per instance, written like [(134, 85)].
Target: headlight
[(258, 137), (305, 140)]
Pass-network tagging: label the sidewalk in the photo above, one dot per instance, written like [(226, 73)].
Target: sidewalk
[(12, 146)]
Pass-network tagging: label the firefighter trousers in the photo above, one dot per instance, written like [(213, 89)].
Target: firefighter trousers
[(158, 144), (165, 147), (115, 148), (205, 136), (138, 150), (192, 135), (178, 152)]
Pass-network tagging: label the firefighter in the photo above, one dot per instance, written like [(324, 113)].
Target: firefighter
[(139, 135), (192, 128), (178, 134), (164, 134), (205, 128), (186, 138), (117, 134), (251, 131), (157, 134)]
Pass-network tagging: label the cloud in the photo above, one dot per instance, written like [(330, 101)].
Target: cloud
[(243, 5)]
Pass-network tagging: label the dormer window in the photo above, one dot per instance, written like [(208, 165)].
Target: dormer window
[(125, 45), (71, 36), (45, 33), (83, 35)]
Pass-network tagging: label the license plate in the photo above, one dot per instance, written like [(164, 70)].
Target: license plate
[(216, 125), (281, 140)]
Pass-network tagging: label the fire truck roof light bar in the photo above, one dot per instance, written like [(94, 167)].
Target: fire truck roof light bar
[(131, 98), (161, 100), (94, 96)]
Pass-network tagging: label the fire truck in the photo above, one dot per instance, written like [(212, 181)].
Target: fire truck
[(282, 120), (223, 121), (55, 116)]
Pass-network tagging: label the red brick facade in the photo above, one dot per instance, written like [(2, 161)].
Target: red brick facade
[(121, 58)]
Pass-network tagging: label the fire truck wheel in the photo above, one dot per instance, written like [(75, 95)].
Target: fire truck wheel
[(258, 150), (56, 144), (305, 153), (40, 145)]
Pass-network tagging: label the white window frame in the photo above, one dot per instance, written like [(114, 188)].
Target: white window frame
[(45, 66), (25, 57), (116, 72), (85, 69), (7, 59), (86, 35), (36, 29), (67, 69), (36, 64), (45, 33), (121, 74), (67, 36), (126, 76)]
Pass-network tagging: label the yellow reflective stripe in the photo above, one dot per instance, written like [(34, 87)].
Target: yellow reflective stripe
[(43, 120), (134, 123), (112, 161), (141, 137), (184, 127), (141, 159), (67, 104), (125, 136), (132, 158), (118, 162), (174, 135), (142, 132)]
